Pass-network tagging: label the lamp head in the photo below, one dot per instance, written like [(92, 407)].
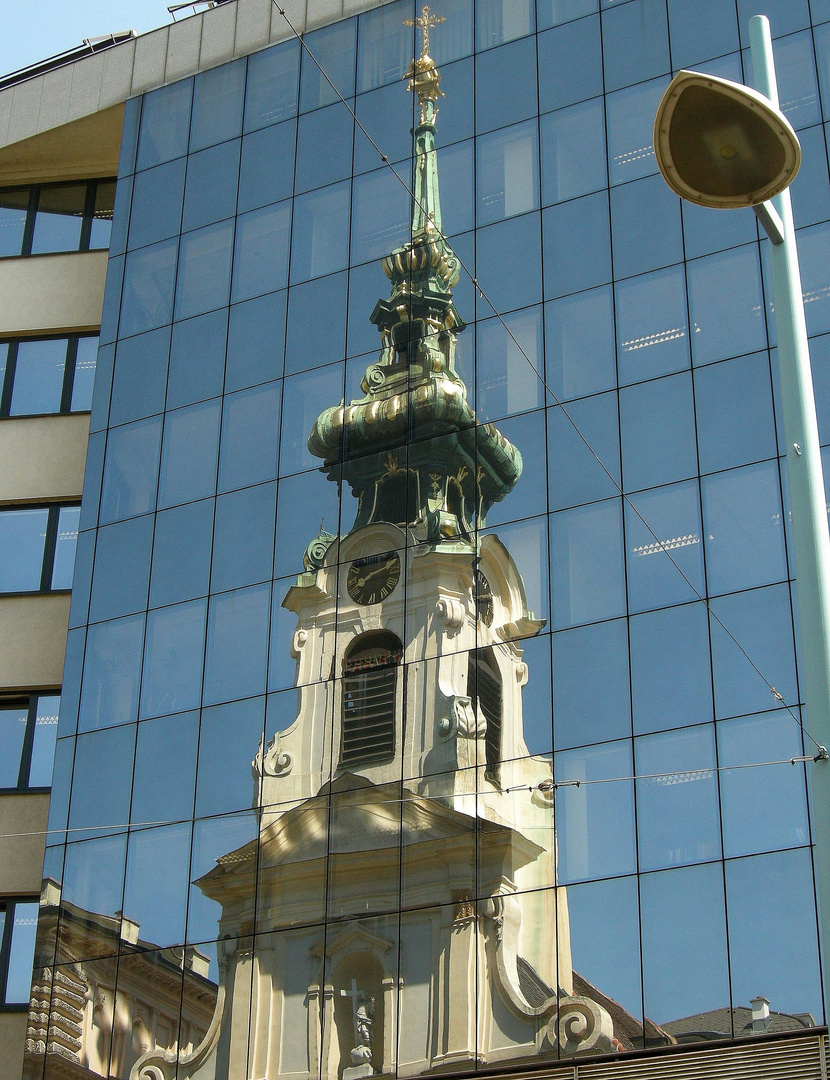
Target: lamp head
[(721, 144)]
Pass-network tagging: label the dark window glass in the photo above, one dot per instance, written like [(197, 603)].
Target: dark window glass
[(726, 305), (14, 724), (101, 780), (706, 230), (59, 218), (300, 409), (27, 741), (38, 376), (165, 120), (14, 207), (810, 191), (387, 115), (570, 64), (156, 883), (303, 501), (261, 253), (56, 217), (223, 782), (273, 82), (577, 245), (795, 71), (18, 925), (554, 12), (502, 20), (165, 768), (210, 190), (102, 214), (590, 685), (630, 123), (573, 151), (267, 170), (157, 204), (506, 382), (662, 539), (512, 65), (217, 105)]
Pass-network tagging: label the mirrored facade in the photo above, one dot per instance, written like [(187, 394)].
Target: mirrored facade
[(433, 576)]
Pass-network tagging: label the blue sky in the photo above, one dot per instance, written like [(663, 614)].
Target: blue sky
[(35, 29)]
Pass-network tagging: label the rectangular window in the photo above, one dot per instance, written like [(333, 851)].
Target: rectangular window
[(47, 375), (28, 727), (18, 923), (37, 548), (56, 217)]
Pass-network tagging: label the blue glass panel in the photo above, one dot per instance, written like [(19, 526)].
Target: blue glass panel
[(165, 769), (457, 187), (173, 652), (701, 30), (156, 882), (512, 65), (93, 880), (385, 46), (657, 428), (212, 179), (645, 226), (316, 324), (388, 117), (250, 433), (303, 501), (665, 556), (367, 281), (59, 218), (122, 569), (243, 541), (706, 230), (13, 723), (43, 743), (570, 64), (147, 299), (260, 262), (320, 237), (80, 583), (573, 151), (815, 277), (577, 245), (506, 354), (111, 673), (785, 881), (527, 433), (204, 270), (283, 669), (588, 578), (743, 528), (157, 204), (502, 20), (101, 779), (111, 311), (213, 837), (507, 173), (165, 121), (508, 265), (456, 37), (237, 645), (629, 120), (671, 683), (590, 685), (227, 734), (256, 341), (140, 376), (785, 16), (38, 377), (758, 634), (554, 12), (301, 407), (83, 378), (71, 691), (733, 403), (13, 207), (652, 325), (795, 70), (332, 128), (810, 189), (579, 344), (189, 452), (333, 48), (726, 305), (677, 798), (595, 821), (537, 728), (22, 539), (92, 479), (635, 43), (375, 235), (181, 553), (458, 122), (587, 431), (267, 171), (273, 85), (778, 789), (197, 359), (217, 105), (683, 927)]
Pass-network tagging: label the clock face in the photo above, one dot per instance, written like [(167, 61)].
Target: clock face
[(374, 577), (483, 596)]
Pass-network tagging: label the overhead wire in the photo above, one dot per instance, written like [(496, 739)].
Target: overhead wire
[(822, 753)]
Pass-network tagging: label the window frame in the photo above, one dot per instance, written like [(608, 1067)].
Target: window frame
[(50, 544), (32, 210), (30, 702), (69, 371), (8, 904)]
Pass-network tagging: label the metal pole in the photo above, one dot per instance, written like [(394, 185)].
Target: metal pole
[(811, 538)]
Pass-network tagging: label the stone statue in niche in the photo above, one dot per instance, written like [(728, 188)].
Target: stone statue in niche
[(363, 1005)]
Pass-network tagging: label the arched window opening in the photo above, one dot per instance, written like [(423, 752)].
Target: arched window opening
[(370, 676), (484, 688)]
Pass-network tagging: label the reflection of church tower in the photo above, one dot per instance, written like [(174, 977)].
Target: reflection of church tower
[(399, 911)]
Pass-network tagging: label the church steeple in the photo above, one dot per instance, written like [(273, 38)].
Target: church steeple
[(411, 449)]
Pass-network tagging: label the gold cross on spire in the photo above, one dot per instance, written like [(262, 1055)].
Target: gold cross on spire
[(424, 23)]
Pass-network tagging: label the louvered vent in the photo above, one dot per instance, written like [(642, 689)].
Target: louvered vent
[(370, 678), (484, 688)]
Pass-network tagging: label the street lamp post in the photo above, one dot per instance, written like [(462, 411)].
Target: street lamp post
[(724, 145)]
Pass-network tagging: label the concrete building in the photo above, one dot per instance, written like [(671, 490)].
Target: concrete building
[(504, 664)]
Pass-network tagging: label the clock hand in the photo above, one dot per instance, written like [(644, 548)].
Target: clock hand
[(373, 573)]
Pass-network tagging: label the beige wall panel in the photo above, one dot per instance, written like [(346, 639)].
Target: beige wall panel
[(12, 1040), (32, 640), (43, 457), (84, 148), (21, 857), (45, 293)]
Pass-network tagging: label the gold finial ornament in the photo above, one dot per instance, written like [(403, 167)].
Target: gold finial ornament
[(424, 77)]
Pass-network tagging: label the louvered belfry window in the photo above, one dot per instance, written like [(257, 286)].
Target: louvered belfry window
[(484, 688), (370, 677)]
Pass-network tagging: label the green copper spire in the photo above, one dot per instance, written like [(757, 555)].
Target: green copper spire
[(411, 449)]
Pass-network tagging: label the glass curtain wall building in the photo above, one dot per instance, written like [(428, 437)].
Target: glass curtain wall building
[(431, 685)]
